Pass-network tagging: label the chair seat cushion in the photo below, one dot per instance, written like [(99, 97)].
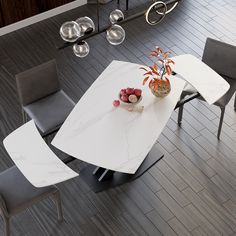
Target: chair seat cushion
[(222, 102), (18, 192), (50, 112)]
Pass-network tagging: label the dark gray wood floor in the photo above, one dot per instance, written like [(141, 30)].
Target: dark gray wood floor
[(192, 191)]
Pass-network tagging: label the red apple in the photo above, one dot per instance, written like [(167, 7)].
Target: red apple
[(124, 98), (116, 103), (138, 92), (122, 92), (129, 91)]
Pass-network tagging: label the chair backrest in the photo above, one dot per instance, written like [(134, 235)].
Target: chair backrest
[(34, 158), (37, 82), (221, 57)]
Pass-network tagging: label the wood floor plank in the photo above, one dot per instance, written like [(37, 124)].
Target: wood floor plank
[(193, 156), (226, 188), (219, 145), (151, 182), (201, 221), (198, 232), (155, 202), (220, 211), (201, 177), (169, 187), (140, 201), (221, 171), (136, 213), (178, 211), (178, 227), (228, 163), (133, 225), (181, 171), (164, 228), (186, 126), (218, 223), (172, 175), (231, 207)]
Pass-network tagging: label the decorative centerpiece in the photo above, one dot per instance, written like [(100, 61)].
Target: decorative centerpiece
[(159, 83)]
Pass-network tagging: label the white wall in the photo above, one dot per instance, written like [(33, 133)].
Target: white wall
[(31, 20)]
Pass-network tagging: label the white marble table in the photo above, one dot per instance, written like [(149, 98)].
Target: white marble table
[(206, 81), (114, 138), (34, 159), (107, 137)]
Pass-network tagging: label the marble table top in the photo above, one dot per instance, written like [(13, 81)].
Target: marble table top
[(114, 138), (205, 80), (34, 158)]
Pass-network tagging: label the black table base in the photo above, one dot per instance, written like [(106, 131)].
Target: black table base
[(100, 179)]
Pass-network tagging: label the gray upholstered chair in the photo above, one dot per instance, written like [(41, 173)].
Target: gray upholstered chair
[(221, 57), (42, 98), (17, 194)]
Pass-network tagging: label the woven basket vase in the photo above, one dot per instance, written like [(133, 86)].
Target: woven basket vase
[(162, 90)]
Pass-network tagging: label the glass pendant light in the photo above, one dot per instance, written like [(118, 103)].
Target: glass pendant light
[(81, 49), (69, 31), (115, 34), (116, 16), (86, 25)]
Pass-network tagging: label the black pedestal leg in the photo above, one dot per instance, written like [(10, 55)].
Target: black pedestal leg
[(106, 175), (100, 179), (103, 174)]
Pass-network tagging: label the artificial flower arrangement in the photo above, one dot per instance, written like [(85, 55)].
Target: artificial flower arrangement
[(158, 75)]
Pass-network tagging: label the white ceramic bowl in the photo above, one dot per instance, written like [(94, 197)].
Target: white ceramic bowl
[(130, 103)]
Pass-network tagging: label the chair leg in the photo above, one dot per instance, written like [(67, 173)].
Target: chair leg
[(57, 199), (24, 116), (221, 121), (7, 225), (235, 102), (180, 114)]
